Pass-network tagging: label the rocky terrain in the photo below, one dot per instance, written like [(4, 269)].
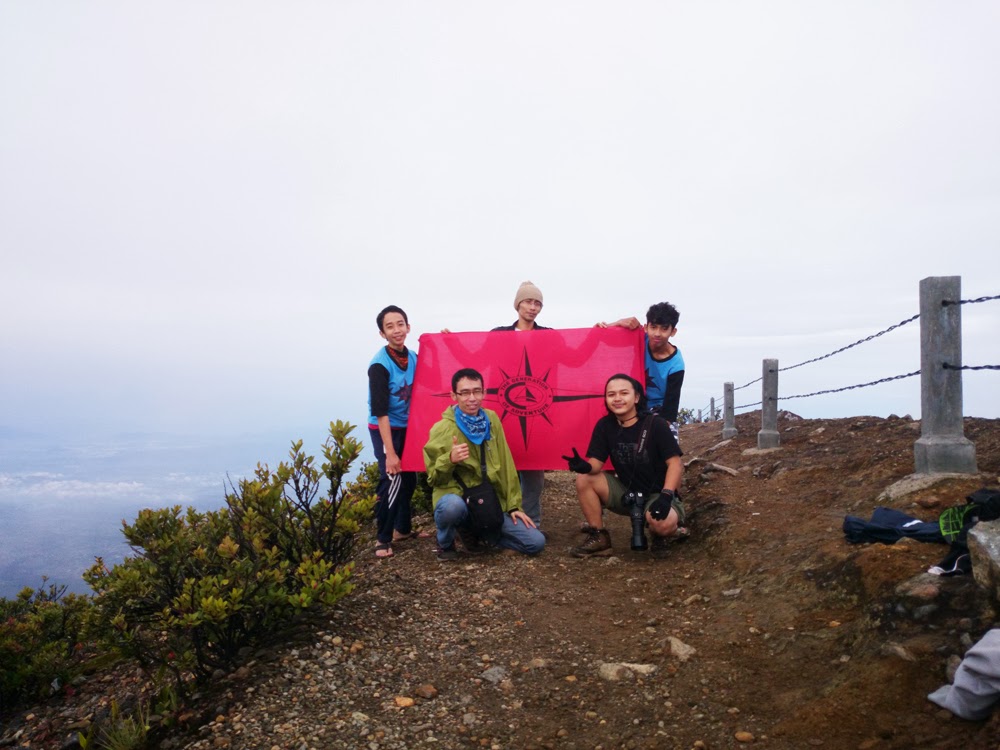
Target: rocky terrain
[(763, 629)]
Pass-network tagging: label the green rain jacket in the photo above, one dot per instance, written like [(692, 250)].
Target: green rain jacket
[(500, 467)]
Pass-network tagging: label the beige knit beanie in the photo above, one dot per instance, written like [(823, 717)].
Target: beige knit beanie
[(527, 290)]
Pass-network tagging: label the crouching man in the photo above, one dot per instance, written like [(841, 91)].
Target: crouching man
[(454, 451), (647, 469)]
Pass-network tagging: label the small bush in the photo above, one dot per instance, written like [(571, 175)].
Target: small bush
[(203, 586), (122, 731), (423, 501), (39, 632)]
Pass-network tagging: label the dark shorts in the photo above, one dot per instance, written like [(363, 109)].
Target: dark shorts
[(617, 490)]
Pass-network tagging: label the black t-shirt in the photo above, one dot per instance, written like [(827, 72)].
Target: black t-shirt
[(643, 473)]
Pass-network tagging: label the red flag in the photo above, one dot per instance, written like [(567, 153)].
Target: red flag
[(546, 386)]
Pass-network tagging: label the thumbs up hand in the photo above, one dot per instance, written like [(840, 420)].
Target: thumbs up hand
[(459, 451)]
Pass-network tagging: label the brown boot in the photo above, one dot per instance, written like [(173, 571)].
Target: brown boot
[(597, 544)]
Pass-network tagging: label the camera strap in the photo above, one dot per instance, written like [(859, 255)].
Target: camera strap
[(644, 434)]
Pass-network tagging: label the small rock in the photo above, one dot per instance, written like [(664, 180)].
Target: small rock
[(427, 691), (681, 650), (494, 674), (643, 669), (614, 672), (743, 736), (894, 649), (404, 701)]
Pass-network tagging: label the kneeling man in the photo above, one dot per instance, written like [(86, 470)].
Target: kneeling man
[(647, 469), (454, 452)]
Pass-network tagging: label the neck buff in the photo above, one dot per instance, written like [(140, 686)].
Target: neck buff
[(476, 428), (402, 359)]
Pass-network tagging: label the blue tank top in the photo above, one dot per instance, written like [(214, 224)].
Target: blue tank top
[(657, 374), (400, 385)]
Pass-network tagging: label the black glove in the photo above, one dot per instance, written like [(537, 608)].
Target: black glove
[(577, 464), (660, 507)]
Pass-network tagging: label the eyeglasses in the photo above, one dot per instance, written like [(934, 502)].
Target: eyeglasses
[(477, 392)]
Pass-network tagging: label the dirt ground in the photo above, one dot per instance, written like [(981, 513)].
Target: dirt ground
[(800, 639), (763, 629)]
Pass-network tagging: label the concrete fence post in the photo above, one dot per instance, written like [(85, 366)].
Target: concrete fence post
[(728, 413), (768, 435), (942, 446), (699, 417), (711, 406)]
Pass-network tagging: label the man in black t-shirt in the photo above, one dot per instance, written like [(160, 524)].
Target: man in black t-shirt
[(646, 459)]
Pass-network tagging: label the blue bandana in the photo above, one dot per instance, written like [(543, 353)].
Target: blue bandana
[(476, 428)]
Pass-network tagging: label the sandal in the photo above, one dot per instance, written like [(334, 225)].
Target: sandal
[(383, 551)]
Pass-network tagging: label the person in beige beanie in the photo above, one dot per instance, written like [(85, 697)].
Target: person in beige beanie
[(528, 303)]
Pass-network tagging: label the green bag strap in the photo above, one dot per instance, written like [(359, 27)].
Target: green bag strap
[(952, 520)]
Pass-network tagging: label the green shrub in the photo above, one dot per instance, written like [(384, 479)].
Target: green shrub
[(121, 731), (423, 501), (203, 586), (39, 633)]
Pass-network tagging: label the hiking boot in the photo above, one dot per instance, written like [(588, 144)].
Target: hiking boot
[(470, 541), (659, 546), (449, 554), (597, 544)]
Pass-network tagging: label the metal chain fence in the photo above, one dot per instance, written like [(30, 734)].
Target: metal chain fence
[(863, 341)]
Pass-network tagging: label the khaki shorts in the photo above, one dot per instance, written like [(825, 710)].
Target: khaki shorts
[(616, 493)]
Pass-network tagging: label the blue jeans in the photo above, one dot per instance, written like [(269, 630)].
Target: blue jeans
[(532, 484), (450, 513)]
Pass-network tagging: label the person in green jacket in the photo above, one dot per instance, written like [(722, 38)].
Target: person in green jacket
[(447, 453)]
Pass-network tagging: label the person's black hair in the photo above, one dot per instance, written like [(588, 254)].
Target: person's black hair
[(465, 372), (391, 308), (663, 314), (640, 404)]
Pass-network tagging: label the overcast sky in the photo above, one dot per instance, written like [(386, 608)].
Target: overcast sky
[(203, 205)]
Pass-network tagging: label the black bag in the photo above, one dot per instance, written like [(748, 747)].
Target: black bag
[(485, 514)]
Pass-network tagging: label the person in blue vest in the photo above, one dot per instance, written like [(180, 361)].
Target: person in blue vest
[(390, 381), (664, 363)]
